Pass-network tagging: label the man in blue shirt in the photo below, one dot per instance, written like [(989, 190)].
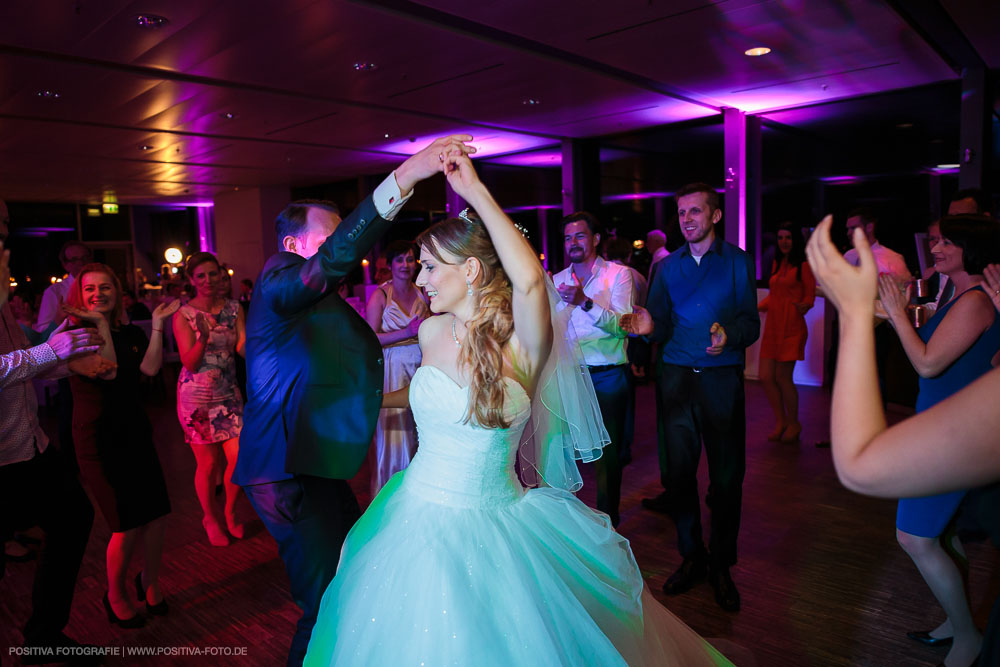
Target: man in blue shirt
[(703, 310)]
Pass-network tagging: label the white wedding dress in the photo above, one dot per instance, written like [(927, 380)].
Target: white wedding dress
[(454, 563)]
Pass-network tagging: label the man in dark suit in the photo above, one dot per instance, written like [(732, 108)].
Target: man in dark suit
[(315, 375)]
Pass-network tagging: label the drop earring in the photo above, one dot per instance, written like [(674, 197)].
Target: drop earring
[(468, 284)]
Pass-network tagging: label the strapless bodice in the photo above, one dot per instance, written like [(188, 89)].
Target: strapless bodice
[(463, 464)]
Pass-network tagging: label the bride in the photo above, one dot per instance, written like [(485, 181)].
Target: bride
[(455, 563)]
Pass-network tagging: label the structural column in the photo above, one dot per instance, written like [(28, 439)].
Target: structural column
[(742, 181), (976, 129), (581, 175), (244, 228)]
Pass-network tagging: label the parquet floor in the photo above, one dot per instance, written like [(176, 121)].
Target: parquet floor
[(822, 579)]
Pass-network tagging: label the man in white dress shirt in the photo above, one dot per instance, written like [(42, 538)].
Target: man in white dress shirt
[(599, 293)]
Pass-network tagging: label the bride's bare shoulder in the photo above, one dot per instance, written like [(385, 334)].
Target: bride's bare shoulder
[(432, 329)]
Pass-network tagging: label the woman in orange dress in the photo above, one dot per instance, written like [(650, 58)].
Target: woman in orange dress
[(792, 294)]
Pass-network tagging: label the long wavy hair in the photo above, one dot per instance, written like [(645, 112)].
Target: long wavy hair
[(493, 324), (75, 297)]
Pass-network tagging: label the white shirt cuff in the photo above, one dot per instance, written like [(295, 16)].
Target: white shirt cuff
[(387, 198)]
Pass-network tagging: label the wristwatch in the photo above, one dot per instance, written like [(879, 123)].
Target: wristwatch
[(587, 305)]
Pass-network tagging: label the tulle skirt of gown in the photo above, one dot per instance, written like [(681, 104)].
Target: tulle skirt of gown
[(542, 581)]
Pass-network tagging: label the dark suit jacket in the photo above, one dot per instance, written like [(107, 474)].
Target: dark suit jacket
[(314, 366)]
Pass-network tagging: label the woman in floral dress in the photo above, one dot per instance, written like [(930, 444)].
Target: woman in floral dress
[(210, 330)]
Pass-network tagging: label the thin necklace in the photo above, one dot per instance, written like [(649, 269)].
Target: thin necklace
[(454, 336)]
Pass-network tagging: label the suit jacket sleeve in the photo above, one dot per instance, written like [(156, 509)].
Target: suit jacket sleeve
[(290, 287)]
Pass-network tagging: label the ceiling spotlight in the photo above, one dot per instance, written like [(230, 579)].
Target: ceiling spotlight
[(145, 147), (757, 51), (173, 255), (48, 94), (365, 67), (531, 102), (151, 21), (229, 115)]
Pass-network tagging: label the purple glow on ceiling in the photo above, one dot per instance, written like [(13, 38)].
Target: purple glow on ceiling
[(633, 196), (550, 157), (945, 170), (540, 207), (486, 142), (834, 180)]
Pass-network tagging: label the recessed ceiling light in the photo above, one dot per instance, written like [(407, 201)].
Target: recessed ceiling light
[(386, 135), (151, 21), (48, 94), (531, 102), (145, 147), (758, 51), (365, 67), (229, 115)]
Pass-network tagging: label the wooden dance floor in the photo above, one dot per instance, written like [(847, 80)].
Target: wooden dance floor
[(822, 579)]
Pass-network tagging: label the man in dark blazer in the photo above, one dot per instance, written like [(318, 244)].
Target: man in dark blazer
[(315, 374)]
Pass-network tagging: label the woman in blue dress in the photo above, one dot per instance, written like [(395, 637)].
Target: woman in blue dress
[(953, 349)]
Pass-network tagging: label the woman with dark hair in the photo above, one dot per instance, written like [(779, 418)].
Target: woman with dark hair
[(953, 349), (210, 331), (395, 312), (114, 438), (455, 563), (792, 294)]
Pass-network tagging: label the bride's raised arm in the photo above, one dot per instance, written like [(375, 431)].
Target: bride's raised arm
[(532, 323)]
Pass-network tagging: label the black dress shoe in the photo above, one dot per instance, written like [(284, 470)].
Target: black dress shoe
[(658, 504), (158, 609), (726, 595), (925, 638), (691, 571), (132, 623)]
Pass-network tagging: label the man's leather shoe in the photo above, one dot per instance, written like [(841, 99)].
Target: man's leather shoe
[(690, 572), (726, 595), (925, 638), (658, 504)]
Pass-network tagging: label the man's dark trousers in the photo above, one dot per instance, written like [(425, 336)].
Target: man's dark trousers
[(309, 517), (611, 387), (704, 404)]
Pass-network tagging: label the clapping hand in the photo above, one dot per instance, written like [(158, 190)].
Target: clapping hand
[(201, 323), (718, 334), (92, 366), (639, 322), (992, 275), (165, 310), (94, 317), (413, 328), (852, 289), (892, 299)]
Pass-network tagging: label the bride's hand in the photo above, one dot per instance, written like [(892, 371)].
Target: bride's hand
[(461, 175)]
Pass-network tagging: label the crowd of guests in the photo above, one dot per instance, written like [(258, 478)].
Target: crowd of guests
[(692, 314)]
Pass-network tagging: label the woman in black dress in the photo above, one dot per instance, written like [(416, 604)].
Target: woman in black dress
[(114, 438)]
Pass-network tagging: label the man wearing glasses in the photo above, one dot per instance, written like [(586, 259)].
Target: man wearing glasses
[(74, 255)]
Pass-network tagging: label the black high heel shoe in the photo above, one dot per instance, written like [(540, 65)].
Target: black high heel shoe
[(158, 609), (136, 621)]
